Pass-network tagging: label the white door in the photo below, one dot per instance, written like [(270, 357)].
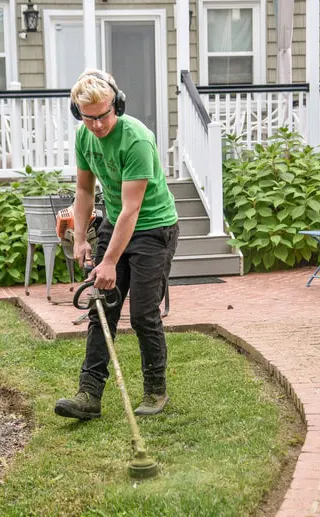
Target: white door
[(131, 45)]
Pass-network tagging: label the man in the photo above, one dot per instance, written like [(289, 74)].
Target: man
[(137, 240)]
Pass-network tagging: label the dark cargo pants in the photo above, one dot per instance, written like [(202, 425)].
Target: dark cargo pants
[(143, 268)]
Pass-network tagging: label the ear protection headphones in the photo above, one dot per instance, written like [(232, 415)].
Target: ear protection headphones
[(119, 101)]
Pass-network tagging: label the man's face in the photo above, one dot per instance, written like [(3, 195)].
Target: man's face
[(99, 118)]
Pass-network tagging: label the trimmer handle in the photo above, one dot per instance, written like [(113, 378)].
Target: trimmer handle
[(96, 295)]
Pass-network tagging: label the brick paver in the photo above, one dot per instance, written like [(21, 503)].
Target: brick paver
[(272, 316)]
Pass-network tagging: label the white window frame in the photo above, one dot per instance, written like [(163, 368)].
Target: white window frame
[(158, 16), (258, 33), (7, 54)]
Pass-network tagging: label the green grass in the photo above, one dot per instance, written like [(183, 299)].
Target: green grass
[(220, 443)]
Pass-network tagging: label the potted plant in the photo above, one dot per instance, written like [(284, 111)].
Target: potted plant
[(42, 196)]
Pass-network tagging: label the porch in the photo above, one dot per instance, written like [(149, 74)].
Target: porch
[(38, 129)]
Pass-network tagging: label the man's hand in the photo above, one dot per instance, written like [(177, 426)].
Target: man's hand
[(82, 252), (104, 275)]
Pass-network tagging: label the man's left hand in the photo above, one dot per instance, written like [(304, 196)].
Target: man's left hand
[(104, 275)]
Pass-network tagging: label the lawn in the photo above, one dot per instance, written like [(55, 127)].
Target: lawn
[(220, 443)]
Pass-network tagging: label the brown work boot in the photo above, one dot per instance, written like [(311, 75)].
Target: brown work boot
[(152, 404), (83, 406)]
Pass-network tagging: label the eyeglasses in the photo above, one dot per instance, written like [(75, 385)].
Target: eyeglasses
[(91, 118)]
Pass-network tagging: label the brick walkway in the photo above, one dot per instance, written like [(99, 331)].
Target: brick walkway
[(260, 313)]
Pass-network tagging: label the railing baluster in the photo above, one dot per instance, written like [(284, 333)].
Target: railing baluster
[(269, 114), (3, 135), (228, 125), (290, 111), (48, 133), (38, 132), (238, 114), (259, 117), (249, 121)]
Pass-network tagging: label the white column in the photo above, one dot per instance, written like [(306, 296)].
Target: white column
[(183, 63), (182, 31), (89, 28), (312, 70), (13, 63), (215, 168)]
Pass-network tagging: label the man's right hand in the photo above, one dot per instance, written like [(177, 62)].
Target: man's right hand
[(82, 252)]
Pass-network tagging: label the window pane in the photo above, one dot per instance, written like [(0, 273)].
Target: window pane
[(3, 82), (133, 65), (70, 52), (1, 31), (230, 70), (229, 30), (70, 61)]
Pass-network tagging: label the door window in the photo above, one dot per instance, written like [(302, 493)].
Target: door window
[(130, 54), (69, 51)]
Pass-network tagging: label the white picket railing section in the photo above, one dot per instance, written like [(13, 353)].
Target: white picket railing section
[(36, 129), (257, 115), (253, 113)]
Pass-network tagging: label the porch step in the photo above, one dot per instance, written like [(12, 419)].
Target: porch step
[(190, 207), (205, 265), (198, 225), (202, 245), (182, 189), (198, 253)]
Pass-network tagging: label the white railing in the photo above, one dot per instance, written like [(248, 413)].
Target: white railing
[(36, 129), (253, 113), (201, 153), (257, 112)]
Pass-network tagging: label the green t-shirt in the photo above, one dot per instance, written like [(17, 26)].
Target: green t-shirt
[(128, 153)]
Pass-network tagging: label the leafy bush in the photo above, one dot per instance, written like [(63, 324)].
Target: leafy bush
[(38, 183), (270, 194), (14, 235)]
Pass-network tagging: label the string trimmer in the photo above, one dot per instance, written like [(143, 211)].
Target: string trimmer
[(141, 466)]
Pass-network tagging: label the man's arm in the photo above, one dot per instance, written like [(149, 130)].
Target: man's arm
[(132, 195), (83, 206)]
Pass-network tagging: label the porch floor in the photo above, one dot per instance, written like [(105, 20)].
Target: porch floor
[(273, 316)]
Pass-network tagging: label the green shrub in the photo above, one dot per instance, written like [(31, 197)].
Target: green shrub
[(39, 183), (14, 235), (270, 194)]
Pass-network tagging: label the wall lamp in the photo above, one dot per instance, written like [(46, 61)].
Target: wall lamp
[(31, 18)]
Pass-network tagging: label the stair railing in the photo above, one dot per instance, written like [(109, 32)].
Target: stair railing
[(200, 148)]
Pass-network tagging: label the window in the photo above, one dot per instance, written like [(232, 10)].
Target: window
[(232, 42), (230, 55), (3, 49), (70, 57)]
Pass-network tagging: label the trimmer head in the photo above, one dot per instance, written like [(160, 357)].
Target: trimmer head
[(143, 467)]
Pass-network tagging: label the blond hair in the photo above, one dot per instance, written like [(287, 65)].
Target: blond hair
[(93, 86)]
